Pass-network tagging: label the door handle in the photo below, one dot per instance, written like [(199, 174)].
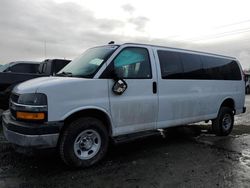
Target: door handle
[(154, 87)]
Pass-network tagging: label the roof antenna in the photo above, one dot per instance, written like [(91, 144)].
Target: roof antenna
[(111, 42)]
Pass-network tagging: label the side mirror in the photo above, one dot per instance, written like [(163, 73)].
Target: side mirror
[(119, 87)]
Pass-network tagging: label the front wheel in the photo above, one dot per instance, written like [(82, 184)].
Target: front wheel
[(84, 142), (223, 124)]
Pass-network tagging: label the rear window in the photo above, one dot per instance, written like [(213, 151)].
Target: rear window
[(59, 64), (24, 68)]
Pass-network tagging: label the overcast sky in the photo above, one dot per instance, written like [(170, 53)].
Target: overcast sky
[(68, 27)]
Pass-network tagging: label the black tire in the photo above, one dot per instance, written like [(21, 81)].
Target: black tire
[(72, 132), (247, 90), (223, 124)]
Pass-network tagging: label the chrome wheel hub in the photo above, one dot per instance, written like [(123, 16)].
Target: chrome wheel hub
[(87, 144), (226, 122)]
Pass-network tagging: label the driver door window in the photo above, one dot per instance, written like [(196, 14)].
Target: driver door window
[(133, 63)]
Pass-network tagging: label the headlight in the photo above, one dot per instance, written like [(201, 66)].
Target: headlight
[(31, 106), (33, 99)]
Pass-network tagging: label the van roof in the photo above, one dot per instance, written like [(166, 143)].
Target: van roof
[(194, 51)]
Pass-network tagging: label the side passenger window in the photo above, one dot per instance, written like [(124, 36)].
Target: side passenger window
[(171, 66), (133, 63), (192, 66)]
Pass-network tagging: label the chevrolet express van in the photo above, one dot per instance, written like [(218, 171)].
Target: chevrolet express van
[(120, 91)]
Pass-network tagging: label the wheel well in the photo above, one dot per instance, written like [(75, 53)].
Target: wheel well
[(102, 116), (228, 103)]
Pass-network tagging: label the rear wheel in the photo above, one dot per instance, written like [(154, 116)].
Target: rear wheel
[(248, 90), (223, 124), (84, 142)]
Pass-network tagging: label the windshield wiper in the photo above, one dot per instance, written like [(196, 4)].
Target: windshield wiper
[(69, 74)]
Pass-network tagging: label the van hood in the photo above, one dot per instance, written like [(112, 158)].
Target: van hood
[(38, 84), (66, 95)]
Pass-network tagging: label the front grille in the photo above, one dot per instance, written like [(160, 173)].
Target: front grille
[(13, 113)]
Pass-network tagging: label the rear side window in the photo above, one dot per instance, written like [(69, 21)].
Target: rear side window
[(176, 65), (192, 66), (171, 66), (179, 65), (220, 69), (235, 71)]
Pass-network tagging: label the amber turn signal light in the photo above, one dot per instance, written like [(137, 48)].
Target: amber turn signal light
[(30, 116)]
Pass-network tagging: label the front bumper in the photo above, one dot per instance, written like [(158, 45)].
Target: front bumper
[(30, 134)]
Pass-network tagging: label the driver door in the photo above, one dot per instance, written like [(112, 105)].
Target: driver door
[(136, 108)]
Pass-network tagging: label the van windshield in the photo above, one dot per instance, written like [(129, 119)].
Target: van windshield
[(87, 64)]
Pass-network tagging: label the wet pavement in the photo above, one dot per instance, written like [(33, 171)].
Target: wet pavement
[(188, 156)]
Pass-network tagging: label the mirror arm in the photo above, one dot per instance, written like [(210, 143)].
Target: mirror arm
[(114, 76)]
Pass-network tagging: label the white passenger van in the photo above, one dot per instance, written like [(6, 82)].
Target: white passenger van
[(122, 91)]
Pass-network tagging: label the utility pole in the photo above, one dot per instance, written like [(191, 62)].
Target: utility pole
[(45, 49)]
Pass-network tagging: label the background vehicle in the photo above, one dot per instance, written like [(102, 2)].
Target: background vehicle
[(16, 72), (120, 92), (21, 67)]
